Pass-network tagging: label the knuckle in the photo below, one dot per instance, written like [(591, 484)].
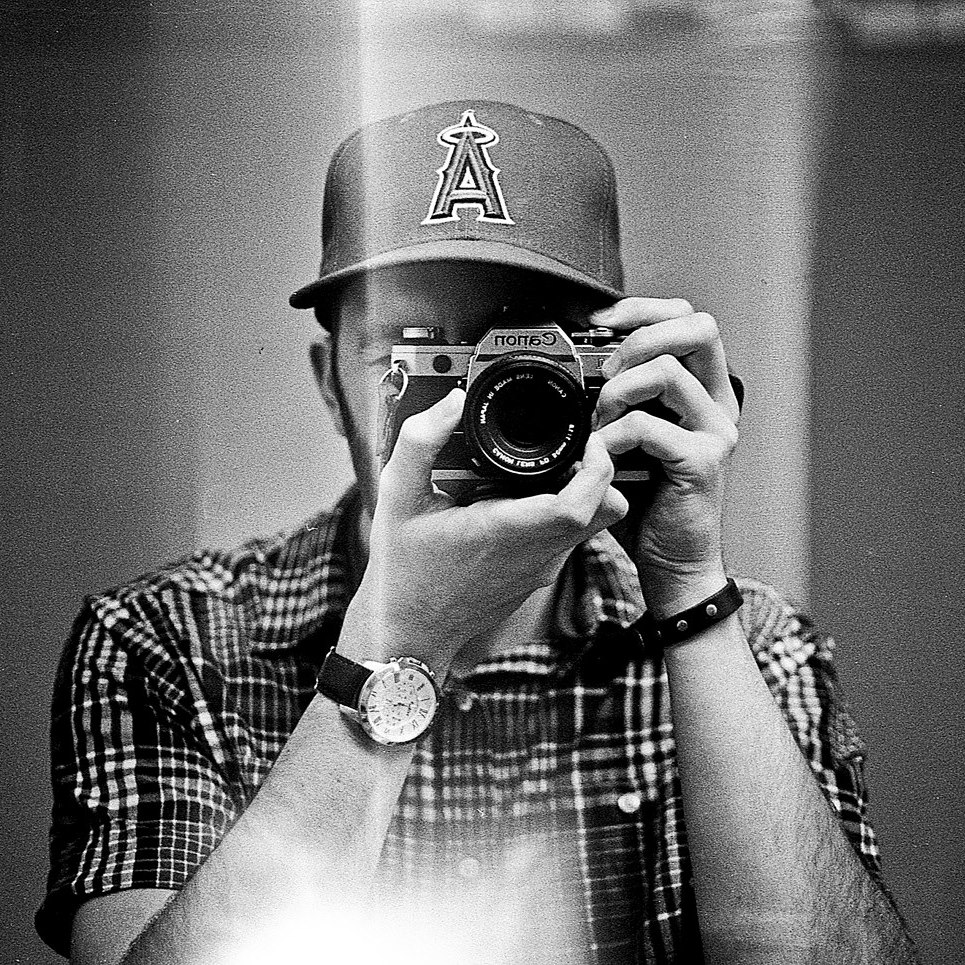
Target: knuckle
[(716, 448), (388, 484), (411, 434), (636, 421), (571, 518), (707, 325), (705, 460), (629, 431), (667, 367), (602, 472), (729, 436), (615, 508)]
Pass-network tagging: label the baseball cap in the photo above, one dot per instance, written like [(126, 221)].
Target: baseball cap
[(470, 180)]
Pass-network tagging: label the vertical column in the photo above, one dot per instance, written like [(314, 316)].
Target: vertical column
[(888, 453)]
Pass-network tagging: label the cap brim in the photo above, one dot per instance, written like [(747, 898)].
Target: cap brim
[(489, 252)]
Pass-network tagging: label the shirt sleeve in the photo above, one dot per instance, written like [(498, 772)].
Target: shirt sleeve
[(797, 663), (138, 798)]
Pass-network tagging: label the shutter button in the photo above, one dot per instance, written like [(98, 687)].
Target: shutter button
[(629, 803)]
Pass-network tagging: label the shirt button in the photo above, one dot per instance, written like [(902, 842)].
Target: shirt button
[(629, 803), (469, 868), (464, 700)]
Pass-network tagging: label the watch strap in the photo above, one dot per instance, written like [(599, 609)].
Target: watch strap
[(341, 679), (688, 623)]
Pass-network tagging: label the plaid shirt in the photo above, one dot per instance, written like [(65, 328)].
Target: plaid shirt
[(548, 781)]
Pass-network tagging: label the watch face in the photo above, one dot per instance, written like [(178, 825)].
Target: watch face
[(398, 702)]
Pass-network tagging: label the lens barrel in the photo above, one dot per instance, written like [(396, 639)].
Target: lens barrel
[(526, 416)]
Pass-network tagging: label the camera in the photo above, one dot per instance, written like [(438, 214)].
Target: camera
[(530, 394)]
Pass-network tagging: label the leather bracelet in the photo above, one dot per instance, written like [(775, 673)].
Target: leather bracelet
[(688, 623)]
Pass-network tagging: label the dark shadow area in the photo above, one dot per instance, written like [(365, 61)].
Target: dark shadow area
[(888, 451), (96, 456), (102, 368)]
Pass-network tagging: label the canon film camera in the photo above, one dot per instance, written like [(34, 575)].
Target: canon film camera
[(530, 395)]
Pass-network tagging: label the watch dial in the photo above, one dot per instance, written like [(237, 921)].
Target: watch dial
[(400, 704)]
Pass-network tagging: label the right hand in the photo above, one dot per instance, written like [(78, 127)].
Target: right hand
[(439, 574)]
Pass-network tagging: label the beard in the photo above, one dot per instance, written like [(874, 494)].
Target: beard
[(359, 447), (363, 465)]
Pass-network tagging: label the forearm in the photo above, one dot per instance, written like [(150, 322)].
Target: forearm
[(776, 879), (301, 856)]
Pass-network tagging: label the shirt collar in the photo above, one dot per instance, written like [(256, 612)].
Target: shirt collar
[(599, 598)]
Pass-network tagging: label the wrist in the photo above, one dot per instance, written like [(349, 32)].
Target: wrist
[(370, 632), (364, 636), (668, 590)]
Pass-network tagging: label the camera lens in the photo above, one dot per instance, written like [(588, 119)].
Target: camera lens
[(526, 415)]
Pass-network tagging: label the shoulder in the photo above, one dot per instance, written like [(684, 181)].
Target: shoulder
[(267, 587), (779, 631), (797, 662)]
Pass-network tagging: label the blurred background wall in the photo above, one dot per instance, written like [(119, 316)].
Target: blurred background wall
[(888, 450), (162, 168)]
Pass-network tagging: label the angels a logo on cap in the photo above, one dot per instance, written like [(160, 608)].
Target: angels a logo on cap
[(468, 179)]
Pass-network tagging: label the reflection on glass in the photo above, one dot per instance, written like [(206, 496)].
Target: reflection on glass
[(899, 23), (592, 18)]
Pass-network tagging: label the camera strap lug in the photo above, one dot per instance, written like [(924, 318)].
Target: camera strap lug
[(392, 387)]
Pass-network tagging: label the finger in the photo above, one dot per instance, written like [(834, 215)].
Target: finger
[(571, 514), (671, 444), (407, 476), (663, 378), (588, 485), (637, 429), (670, 326), (552, 528), (628, 313), (611, 510), (694, 339)]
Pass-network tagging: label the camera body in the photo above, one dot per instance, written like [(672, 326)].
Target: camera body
[(530, 394)]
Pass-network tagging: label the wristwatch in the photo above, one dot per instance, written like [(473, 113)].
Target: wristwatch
[(393, 702)]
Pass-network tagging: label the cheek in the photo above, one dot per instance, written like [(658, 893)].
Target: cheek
[(360, 390)]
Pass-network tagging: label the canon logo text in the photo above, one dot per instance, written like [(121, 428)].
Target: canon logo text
[(524, 340)]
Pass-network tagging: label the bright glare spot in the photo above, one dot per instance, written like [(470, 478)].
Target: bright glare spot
[(341, 937), (522, 914)]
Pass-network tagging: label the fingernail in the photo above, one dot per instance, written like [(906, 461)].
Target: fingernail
[(610, 367)]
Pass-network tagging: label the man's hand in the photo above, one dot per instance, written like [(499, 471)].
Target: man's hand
[(439, 574), (673, 355)]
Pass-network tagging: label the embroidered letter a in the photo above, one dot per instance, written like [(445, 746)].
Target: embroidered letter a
[(468, 178)]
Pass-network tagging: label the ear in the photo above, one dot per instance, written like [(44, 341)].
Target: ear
[(322, 354)]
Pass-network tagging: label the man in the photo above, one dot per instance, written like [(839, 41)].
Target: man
[(624, 764)]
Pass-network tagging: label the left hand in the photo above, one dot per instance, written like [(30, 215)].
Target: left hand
[(674, 355)]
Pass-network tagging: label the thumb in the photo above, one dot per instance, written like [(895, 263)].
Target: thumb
[(407, 476)]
